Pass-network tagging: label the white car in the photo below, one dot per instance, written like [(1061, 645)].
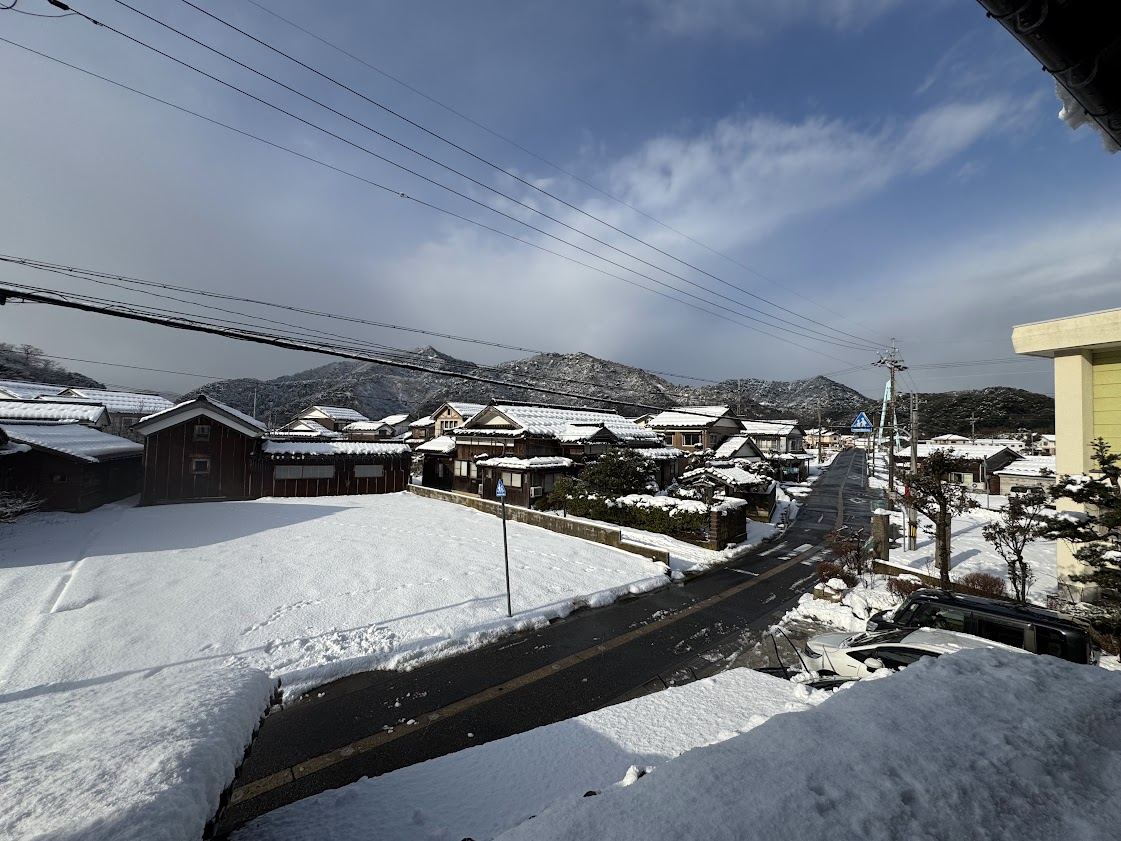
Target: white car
[(858, 655)]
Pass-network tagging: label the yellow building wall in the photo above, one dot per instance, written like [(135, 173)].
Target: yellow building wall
[(1107, 397)]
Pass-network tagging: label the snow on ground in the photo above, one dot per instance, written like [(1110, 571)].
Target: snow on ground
[(690, 558), (307, 589), (851, 613), (978, 744), (482, 791), (141, 756), (970, 552)]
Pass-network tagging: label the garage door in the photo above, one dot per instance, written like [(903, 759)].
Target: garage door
[(1107, 398)]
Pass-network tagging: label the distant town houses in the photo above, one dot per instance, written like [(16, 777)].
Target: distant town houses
[(981, 462), (693, 428), (335, 418)]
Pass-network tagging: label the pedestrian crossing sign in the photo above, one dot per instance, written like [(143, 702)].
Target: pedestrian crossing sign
[(500, 491), (861, 424)]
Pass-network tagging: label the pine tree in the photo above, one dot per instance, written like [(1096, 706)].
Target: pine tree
[(932, 494), (1022, 522)]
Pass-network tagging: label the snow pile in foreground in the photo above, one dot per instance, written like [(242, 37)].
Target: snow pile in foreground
[(480, 792), (139, 756), (851, 613), (980, 744)]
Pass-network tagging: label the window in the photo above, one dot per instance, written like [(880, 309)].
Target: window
[(447, 426), (200, 466), (961, 478), (59, 479), (1007, 632), (373, 471), (690, 439), (668, 438), (202, 432), (547, 481), (384, 431), (303, 471), (512, 480), (472, 470), (942, 617), (712, 439)]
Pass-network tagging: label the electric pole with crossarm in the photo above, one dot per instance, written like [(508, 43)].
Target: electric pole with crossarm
[(893, 363)]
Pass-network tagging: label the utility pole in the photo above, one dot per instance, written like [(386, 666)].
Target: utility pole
[(912, 515), (819, 433), (973, 427), (893, 363)]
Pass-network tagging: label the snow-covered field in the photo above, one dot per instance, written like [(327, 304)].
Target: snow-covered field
[(139, 642), (481, 792)]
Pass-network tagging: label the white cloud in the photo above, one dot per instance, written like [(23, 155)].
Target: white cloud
[(751, 19)]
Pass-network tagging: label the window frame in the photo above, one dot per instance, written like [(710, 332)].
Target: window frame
[(196, 461), (198, 433)]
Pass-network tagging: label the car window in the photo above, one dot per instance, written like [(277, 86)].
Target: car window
[(894, 657), (1004, 631), (942, 617), (1070, 645), (905, 614)]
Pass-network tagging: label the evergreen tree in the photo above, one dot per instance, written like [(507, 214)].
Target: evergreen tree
[(1022, 522), (932, 494)]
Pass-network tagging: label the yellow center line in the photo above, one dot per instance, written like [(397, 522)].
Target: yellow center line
[(376, 740)]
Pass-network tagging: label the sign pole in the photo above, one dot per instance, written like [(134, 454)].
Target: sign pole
[(500, 492)]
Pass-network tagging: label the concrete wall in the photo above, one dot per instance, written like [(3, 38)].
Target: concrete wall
[(727, 527), (552, 522)]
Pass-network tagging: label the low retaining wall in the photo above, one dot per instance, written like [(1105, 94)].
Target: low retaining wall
[(562, 525), (880, 568)]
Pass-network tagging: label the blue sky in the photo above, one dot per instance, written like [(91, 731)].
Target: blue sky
[(884, 169)]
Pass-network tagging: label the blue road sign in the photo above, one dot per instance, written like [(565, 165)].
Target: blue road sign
[(500, 491), (861, 424)]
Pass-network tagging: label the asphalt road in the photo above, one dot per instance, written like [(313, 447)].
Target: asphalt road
[(376, 722)]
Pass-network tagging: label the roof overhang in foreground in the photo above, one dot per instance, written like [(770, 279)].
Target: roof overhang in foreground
[(1092, 331)]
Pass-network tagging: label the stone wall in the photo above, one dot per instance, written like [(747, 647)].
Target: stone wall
[(573, 528), (727, 526)]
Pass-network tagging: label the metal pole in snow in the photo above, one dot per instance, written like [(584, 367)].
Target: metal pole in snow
[(506, 553)]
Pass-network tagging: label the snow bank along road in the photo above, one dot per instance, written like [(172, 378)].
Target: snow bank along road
[(372, 723)]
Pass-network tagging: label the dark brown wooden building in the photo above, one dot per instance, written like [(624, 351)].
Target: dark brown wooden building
[(333, 468), (70, 467), (200, 450)]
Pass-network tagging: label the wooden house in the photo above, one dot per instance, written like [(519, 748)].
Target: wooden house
[(125, 408), (444, 421), (692, 428), (332, 417), (1027, 472), (528, 447), (739, 448), (781, 436), (981, 463), (302, 428), (332, 468), (70, 467), (758, 491), (438, 462), (199, 450), (385, 429)]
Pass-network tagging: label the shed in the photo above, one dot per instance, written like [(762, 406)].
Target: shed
[(438, 464), (71, 467), (333, 468), (759, 492), (1030, 472), (199, 450)]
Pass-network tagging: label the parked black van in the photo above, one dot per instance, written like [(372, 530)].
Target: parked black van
[(1031, 628)]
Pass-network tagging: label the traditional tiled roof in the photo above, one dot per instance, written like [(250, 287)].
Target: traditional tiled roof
[(467, 410), (1037, 466), (550, 422), (734, 444), (535, 463), (422, 422), (123, 402), (735, 477), (20, 390), (73, 440), (201, 402), (688, 417), (50, 410), (442, 445), (326, 449), (393, 420), (338, 413), (781, 428), (661, 453), (967, 451)]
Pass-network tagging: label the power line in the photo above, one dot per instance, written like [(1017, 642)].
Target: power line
[(555, 166), (801, 331), (481, 159), (446, 211)]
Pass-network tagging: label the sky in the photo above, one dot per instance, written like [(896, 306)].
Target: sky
[(794, 185)]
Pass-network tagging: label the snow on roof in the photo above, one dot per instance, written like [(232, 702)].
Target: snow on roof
[(967, 451), (28, 391), (949, 436), (583, 431), (49, 410), (442, 445), (393, 420), (365, 426), (339, 413), (74, 440), (769, 427), (733, 445), (733, 476), (688, 416), (550, 422), (326, 449), (10, 448), (661, 453), (124, 402), (1038, 466), (535, 463), (422, 423), (467, 410), (203, 401)]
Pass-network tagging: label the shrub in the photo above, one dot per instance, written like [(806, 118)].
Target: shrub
[(984, 583), (901, 587), (828, 570)]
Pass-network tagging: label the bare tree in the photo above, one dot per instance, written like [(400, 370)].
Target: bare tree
[(15, 503), (931, 492), (1023, 522)]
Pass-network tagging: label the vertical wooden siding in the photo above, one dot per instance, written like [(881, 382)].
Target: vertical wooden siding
[(167, 464)]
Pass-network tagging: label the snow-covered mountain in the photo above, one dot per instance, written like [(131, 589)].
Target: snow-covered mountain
[(378, 390)]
